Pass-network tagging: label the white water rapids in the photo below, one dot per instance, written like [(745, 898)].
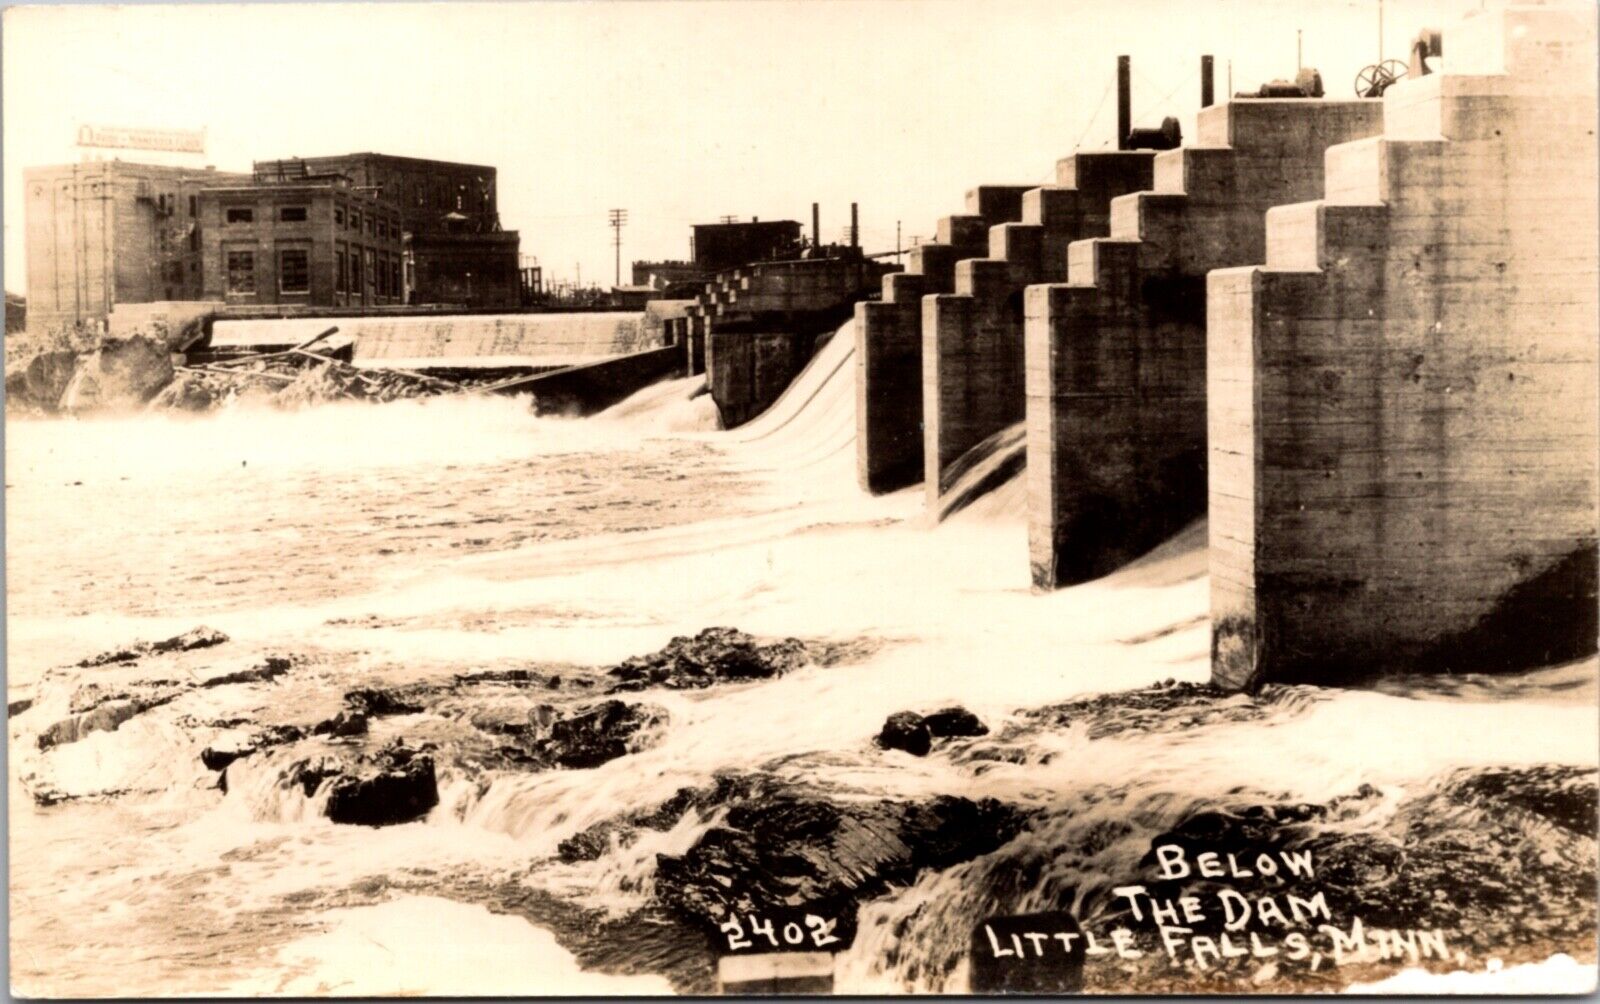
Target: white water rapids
[(422, 539)]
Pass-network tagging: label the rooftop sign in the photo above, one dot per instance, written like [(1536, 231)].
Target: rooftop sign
[(174, 140)]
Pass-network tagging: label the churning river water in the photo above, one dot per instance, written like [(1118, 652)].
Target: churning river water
[(421, 540)]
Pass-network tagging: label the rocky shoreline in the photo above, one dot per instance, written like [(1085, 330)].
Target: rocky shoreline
[(1501, 860)]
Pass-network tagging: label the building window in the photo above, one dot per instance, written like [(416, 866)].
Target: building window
[(338, 216), (194, 238), (239, 214), (241, 272), (294, 271), (372, 269), (372, 227), (383, 277), (194, 206), (355, 271), (338, 272), (355, 221), (292, 214), (395, 289)]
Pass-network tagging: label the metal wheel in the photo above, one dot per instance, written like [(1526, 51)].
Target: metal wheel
[(1374, 80)]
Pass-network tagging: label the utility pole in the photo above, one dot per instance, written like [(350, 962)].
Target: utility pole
[(1299, 61), (619, 217)]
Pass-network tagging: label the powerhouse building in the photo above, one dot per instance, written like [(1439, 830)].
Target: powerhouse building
[(362, 231)]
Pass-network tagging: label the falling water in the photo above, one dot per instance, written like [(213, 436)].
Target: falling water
[(421, 540)]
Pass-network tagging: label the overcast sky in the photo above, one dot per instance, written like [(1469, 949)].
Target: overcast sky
[(680, 112)]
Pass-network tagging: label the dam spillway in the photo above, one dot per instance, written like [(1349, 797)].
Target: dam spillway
[(545, 340), (1334, 325)]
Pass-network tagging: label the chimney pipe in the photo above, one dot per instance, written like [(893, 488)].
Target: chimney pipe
[(816, 227), (1124, 102), (1207, 97), (855, 231)]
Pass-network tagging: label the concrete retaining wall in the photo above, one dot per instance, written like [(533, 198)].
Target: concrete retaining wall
[(1116, 356), (1403, 402)]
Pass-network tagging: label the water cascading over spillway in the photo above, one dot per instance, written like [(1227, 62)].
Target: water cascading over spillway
[(545, 340), (482, 568)]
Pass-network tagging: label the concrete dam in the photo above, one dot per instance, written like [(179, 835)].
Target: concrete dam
[(492, 340), (1360, 336)]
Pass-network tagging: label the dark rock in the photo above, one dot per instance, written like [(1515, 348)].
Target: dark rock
[(17, 707), (956, 722), (715, 655), (396, 785), (219, 755), (342, 725), (122, 374), (1166, 707), (376, 703), (786, 852), (908, 731), (271, 669), (200, 637), (105, 716), (592, 736), (593, 842), (1501, 859)]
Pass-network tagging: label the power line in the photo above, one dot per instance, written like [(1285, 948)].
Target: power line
[(1095, 117), (619, 217), (1164, 98)]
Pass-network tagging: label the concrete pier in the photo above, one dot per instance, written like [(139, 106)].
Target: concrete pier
[(762, 323), (972, 359), (1403, 401), (1116, 358), (889, 340)]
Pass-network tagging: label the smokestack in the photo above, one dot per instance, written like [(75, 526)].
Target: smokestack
[(1207, 97), (855, 231), (1124, 102), (816, 227)]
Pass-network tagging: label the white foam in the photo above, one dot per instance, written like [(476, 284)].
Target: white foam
[(427, 946)]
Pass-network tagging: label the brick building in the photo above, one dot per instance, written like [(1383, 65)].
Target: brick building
[(728, 245), (99, 234), (455, 249), (318, 242), (364, 230)]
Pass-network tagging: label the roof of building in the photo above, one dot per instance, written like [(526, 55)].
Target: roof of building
[(368, 155)]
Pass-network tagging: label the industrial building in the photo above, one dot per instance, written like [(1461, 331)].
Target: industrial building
[(319, 242), (715, 247), (456, 251), (360, 231), (111, 232)]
